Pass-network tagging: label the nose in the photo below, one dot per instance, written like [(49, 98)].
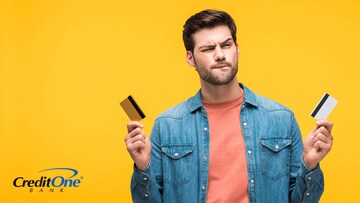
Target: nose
[(219, 54)]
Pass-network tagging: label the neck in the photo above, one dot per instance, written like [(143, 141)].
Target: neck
[(220, 93)]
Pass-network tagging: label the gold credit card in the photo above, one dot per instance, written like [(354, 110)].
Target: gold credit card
[(132, 109)]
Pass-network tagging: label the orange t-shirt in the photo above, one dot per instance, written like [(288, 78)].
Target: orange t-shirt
[(228, 176)]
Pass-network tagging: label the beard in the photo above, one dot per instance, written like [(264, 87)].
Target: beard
[(216, 76)]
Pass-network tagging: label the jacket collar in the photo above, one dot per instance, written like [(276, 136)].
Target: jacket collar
[(249, 98)]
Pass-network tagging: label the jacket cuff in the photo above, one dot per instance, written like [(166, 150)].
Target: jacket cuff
[(142, 177), (311, 177), (313, 180)]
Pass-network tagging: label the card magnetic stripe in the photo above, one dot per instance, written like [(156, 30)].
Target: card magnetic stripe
[(322, 102), (137, 108)]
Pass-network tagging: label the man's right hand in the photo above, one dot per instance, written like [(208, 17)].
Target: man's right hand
[(138, 145)]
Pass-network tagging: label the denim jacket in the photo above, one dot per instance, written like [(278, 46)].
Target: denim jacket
[(179, 164)]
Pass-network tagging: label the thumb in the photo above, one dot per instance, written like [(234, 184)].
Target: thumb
[(309, 142)]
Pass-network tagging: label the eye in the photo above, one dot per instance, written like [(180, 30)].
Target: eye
[(207, 49), (227, 45)]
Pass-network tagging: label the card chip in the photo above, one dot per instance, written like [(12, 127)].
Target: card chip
[(132, 109)]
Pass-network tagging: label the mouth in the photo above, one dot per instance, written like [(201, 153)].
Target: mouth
[(219, 66)]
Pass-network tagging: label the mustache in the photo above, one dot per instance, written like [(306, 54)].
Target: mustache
[(220, 64)]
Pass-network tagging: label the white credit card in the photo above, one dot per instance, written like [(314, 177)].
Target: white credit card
[(325, 106)]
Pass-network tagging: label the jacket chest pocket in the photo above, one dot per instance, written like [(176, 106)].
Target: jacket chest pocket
[(177, 163), (275, 157)]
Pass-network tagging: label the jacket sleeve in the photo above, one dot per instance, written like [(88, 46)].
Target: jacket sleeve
[(305, 185), (146, 186)]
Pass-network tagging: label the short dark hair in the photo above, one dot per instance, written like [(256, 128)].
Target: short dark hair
[(206, 19)]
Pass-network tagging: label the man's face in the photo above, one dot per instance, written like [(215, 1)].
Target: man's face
[(215, 55)]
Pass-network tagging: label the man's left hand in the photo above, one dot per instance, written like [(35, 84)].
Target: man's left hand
[(318, 143)]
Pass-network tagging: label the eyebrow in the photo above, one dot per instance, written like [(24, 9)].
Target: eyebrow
[(212, 45)]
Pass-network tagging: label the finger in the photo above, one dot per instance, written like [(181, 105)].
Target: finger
[(326, 123), (322, 130), (134, 147), (322, 146), (134, 133), (138, 137), (134, 124), (323, 138)]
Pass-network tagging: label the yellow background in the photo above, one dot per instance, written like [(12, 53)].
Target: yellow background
[(66, 65)]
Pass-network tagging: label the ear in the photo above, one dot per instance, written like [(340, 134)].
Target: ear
[(190, 58)]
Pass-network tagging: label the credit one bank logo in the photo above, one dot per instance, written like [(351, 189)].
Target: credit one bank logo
[(56, 183)]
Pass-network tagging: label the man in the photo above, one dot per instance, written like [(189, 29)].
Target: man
[(225, 144)]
